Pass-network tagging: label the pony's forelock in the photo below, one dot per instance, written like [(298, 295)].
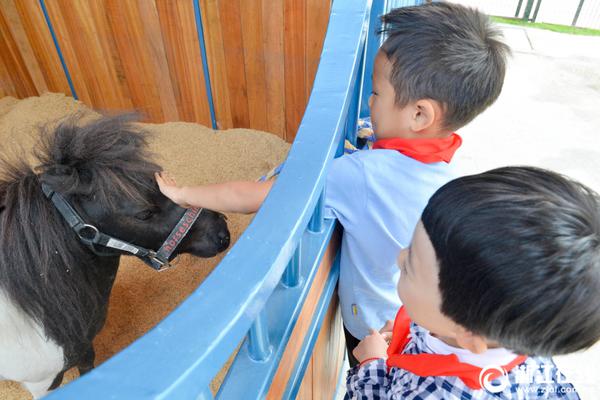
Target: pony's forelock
[(107, 157)]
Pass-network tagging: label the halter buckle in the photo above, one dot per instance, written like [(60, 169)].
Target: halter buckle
[(158, 261)]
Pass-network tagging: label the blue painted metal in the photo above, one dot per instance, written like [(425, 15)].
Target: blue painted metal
[(291, 277), (403, 3), (316, 222), (182, 354), (58, 50), (283, 308), (313, 333), (206, 394), (259, 347), (209, 95), (374, 41)]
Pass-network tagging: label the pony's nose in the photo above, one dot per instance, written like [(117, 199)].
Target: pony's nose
[(223, 238)]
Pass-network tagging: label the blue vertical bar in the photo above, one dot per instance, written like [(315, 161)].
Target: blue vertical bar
[(57, 46), (315, 225), (291, 276), (209, 94), (373, 42), (259, 347)]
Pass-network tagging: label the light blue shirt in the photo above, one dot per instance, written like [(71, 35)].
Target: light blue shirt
[(378, 197)]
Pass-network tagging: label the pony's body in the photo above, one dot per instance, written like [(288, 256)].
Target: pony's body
[(26, 354), (54, 290)]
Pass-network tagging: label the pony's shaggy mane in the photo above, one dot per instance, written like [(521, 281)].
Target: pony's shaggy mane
[(107, 158), (44, 268)]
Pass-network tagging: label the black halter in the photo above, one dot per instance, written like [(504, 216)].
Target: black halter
[(91, 236)]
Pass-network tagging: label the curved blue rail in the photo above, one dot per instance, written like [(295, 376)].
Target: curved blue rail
[(256, 292)]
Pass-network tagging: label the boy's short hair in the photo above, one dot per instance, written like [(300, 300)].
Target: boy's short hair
[(519, 258), (448, 53)]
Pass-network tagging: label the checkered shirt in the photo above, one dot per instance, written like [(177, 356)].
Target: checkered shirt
[(536, 378)]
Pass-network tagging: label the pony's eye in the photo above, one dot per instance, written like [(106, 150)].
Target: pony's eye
[(144, 215)]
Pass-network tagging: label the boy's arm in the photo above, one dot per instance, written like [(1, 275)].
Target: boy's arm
[(239, 196), (369, 380)]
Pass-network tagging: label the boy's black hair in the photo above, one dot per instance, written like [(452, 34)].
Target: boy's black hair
[(448, 53), (519, 256)]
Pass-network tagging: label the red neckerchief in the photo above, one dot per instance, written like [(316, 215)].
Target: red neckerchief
[(424, 150), (425, 364)]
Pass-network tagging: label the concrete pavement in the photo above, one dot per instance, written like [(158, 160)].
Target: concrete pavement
[(548, 115)]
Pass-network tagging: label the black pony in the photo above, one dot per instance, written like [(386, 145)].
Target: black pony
[(54, 290)]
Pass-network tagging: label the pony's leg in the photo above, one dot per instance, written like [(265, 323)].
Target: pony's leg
[(87, 361), (38, 389)]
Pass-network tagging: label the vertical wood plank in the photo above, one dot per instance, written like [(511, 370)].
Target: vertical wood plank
[(274, 66), (15, 25), (328, 355), (149, 15), (295, 70), (254, 62), (306, 386), (22, 84), (85, 36), (178, 26), (317, 18), (229, 13), (42, 46), (215, 54), (135, 55), (7, 88)]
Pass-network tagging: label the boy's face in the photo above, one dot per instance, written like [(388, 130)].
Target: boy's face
[(418, 286), (387, 118)]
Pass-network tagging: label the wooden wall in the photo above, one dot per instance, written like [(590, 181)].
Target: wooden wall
[(145, 55)]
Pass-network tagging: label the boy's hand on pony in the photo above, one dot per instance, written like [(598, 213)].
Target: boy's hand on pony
[(168, 187), (373, 345)]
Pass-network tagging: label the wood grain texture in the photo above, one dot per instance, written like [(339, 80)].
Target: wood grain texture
[(135, 54), (229, 13), (288, 360), (295, 69), (317, 17), (215, 54), (85, 36), (16, 79), (178, 26), (144, 55), (328, 355), (274, 65), (254, 62), (43, 48)]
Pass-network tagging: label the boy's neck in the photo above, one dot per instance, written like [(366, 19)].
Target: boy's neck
[(433, 134), (452, 342)]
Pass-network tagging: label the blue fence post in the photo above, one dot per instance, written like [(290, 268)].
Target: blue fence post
[(259, 347), (315, 224), (291, 276)]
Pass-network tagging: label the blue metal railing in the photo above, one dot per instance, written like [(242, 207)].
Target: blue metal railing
[(257, 291)]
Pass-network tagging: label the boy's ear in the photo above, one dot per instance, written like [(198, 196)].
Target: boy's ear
[(468, 340), (427, 115)]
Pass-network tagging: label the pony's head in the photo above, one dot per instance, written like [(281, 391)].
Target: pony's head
[(104, 169)]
